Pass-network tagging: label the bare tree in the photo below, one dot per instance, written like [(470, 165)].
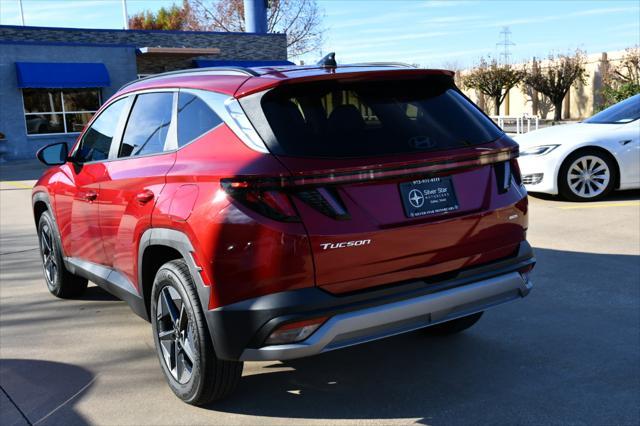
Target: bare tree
[(555, 78), (300, 20), (623, 81), (493, 80)]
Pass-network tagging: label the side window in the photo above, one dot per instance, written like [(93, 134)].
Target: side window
[(195, 118), (97, 139), (148, 125)]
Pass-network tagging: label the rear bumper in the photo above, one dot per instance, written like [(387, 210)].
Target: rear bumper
[(239, 330)]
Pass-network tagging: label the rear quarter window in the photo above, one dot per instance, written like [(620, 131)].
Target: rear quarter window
[(195, 118), (369, 118)]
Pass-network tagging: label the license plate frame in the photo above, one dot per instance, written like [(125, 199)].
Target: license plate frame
[(428, 197)]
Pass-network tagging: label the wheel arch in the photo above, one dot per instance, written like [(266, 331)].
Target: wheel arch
[(40, 203), (159, 246)]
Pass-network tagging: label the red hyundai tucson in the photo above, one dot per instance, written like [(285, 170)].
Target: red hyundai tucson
[(276, 213)]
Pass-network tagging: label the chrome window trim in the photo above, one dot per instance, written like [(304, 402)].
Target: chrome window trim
[(225, 106), (218, 102), (171, 144)]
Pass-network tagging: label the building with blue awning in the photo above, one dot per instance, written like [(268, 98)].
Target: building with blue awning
[(49, 75), (55, 79)]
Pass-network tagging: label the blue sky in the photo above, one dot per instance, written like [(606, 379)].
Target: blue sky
[(430, 33)]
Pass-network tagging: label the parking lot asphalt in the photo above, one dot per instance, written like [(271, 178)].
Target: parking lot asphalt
[(567, 354)]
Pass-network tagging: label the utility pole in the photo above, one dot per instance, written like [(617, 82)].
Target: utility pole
[(125, 16), (505, 43), (255, 16), (21, 12)]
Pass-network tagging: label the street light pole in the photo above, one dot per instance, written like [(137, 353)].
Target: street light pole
[(124, 14)]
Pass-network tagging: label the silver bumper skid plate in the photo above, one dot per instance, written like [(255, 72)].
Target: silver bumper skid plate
[(351, 328)]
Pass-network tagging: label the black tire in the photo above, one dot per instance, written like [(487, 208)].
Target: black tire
[(596, 193), (454, 326), (60, 282), (209, 378)]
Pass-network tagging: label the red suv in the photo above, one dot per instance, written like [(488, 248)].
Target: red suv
[(277, 213)]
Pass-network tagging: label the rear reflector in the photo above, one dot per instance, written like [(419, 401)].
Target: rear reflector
[(294, 331), (326, 201), (503, 176), (507, 171), (515, 170)]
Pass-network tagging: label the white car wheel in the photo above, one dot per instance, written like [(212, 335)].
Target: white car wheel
[(586, 175)]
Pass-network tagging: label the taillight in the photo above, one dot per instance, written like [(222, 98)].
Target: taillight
[(294, 331), (271, 203), (270, 198)]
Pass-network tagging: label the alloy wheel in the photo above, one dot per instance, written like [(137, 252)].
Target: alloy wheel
[(49, 262), (175, 334), (588, 176)]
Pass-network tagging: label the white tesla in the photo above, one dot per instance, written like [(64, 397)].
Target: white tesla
[(587, 160)]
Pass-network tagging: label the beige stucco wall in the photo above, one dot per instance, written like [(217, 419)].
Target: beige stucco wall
[(583, 99)]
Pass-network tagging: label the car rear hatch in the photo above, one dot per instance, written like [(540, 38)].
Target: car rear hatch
[(395, 178)]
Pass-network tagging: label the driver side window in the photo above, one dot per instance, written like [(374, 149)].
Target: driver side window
[(96, 141)]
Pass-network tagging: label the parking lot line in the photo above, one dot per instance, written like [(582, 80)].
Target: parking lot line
[(635, 203), (16, 184)]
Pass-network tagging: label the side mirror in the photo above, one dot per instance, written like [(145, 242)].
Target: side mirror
[(55, 154)]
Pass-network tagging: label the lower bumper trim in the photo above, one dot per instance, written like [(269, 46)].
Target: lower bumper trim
[(355, 327)]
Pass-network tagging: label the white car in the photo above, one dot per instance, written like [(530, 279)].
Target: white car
[(587, 160)]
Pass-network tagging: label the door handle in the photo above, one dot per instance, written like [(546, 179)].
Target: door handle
[(145, 196), (91, 196)]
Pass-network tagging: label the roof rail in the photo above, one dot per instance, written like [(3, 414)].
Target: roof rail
[(386, 64), (195, 71)]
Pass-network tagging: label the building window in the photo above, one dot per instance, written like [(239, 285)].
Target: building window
[(48, 111)]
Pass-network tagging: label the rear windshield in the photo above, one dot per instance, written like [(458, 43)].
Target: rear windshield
[(369, 118)]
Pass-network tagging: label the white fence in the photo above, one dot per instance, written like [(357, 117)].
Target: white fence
[(522, 123)]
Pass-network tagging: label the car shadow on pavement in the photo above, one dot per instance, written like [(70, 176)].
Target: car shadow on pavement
[(628, 195), (567, 353), (95, 293), (34, 390)]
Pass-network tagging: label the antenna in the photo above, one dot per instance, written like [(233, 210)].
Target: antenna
[(505, 43), (328, 61)]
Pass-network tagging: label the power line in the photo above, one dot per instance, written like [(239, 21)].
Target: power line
[(505, 43)]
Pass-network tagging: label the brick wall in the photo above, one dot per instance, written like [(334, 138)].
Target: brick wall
[(154, 64), (232, 45)]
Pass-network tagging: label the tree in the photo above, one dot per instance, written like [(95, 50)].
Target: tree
[(555, 78), (174, 18), (623, 81), (493, 80), (300, 20)]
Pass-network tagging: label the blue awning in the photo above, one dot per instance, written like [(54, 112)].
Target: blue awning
[(65, 75), (203, 63)]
